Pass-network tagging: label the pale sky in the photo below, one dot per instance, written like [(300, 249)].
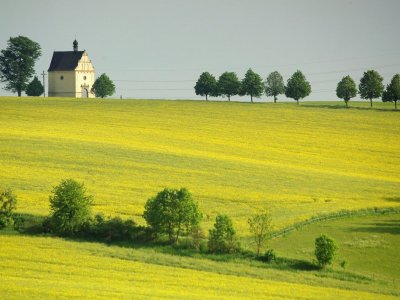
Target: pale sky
[(158, 49)]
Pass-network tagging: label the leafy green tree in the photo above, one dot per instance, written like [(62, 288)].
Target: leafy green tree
[(228, 84), (346, 89), (172, 212), (206, 85), (297, 87), (325, 250), (222, 238), (17, 63), (252, 85), (35, 87), (8, 203), (371, 85), (70, 208), (260, 228), (103, 86), (392, 92), (274, 85)]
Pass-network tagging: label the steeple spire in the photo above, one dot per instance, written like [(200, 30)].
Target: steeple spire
[(75, 45)]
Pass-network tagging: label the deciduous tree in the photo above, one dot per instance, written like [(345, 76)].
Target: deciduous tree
[(70, 207), (252, 85), (297, 87), (228, 84), (222, 238), (17, 63), (172, 212), (8, 203), (346, 89), (206, 85), (392, 92), (325, 250), (274, 85), (371, 85), (103, 86), (260, 228)]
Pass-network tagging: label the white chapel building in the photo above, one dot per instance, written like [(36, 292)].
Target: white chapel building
[(71, 74)]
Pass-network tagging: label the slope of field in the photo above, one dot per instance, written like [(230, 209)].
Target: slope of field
[(235, 158), (44, 267)]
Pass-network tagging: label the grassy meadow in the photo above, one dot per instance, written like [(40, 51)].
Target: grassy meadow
[(235, 158)]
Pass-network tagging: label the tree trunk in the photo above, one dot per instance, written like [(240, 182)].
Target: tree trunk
[(177, 234), (395, 104), (297, 101), (370, 101), (19, 92), (274, 98), (251, 98), (229, 98), (346, 103), (206, 97)]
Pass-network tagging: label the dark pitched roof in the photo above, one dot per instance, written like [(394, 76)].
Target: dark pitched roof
[(65, 60)]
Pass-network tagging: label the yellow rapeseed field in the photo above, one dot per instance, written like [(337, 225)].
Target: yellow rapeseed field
[(235, 158), (48, 268)]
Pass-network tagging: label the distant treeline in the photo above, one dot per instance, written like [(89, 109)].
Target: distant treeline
[(297, 87)]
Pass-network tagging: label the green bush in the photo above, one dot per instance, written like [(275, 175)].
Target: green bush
[(268, 256), (70, 208), (222, 238), (325, 250), (112, 229), (8, 204)]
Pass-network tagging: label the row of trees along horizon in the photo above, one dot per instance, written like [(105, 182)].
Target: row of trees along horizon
[(297, 87), (17, 64), (172, 213)]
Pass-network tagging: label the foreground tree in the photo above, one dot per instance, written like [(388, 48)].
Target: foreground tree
[(103, 86), (222, 238), (260, 228), (392, 92), (70, 208), (371, 85), (274, 85), (346, 89), (228, 84), (252, 85), (172, 212), (17, 63), (325, 250), (206, 85), (35, 87), (297, 87), (8, 203)]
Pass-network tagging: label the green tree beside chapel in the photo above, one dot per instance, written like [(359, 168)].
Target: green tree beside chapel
[(17, 63)]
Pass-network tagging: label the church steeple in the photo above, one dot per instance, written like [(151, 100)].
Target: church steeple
[(75, 45)]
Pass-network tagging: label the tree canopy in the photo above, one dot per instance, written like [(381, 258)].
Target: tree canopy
[(17, 63), (371, 85), (252, 85), (274, 85), (103, 86), (172, 212), (206, 85), (222, 238), (297, 86), (346, 89), (228, 84), (70, 207), (392, 92), (35, 87), (325, 250)]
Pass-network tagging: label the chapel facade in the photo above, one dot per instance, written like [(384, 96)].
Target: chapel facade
[(71, 74)]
